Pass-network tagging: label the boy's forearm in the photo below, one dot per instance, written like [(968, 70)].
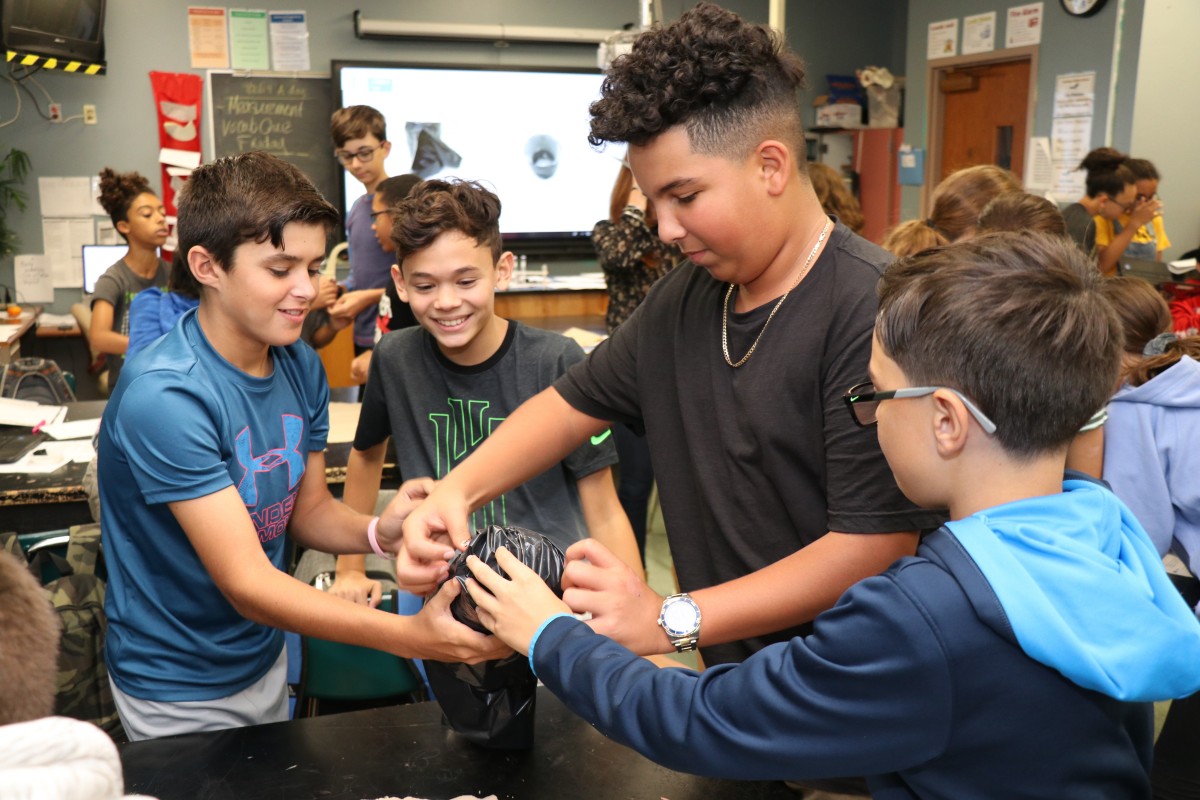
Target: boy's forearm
[(796, 589), (535, 437), (606, 520)]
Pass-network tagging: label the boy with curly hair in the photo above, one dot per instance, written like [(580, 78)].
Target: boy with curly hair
[(1039, 615), (734, 366)]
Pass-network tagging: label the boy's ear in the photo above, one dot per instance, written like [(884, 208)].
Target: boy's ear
[(504, 269), (387, 148), (951, 421), (775, 164), (204, 267), (398, 279)]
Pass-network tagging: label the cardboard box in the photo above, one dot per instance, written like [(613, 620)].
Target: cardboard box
[(839, 115)]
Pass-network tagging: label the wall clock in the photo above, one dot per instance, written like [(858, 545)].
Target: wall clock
[(1081, 8)]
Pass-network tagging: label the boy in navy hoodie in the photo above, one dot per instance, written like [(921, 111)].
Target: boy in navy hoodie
[(1016, 654)]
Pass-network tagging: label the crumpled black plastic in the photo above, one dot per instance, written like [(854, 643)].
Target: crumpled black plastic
[(492, 704)]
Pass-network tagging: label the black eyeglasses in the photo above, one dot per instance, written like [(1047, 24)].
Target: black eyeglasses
[(863, 402), (363, 154)]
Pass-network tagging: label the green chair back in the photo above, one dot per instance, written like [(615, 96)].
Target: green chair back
[(336, 671)]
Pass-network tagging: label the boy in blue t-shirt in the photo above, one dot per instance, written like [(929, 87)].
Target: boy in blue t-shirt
[(1016, 654), (441, 388), (211, 450)]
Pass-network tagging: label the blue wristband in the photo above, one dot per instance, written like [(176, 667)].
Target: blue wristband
[(538, 633)]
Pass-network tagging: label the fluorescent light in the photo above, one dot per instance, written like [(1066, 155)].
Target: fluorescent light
[(399, 29)]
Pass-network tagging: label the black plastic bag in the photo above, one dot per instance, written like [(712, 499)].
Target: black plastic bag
[(492, 704)]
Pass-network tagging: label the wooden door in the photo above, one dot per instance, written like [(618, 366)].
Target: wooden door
[(985, 111)]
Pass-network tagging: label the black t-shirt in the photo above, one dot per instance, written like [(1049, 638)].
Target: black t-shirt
[(753, 463)]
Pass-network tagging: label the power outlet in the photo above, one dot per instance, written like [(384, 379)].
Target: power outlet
[(89, 114), (55, 112)]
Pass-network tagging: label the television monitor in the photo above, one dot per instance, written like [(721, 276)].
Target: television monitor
[(521, 131), (67, 29), (97, 258)]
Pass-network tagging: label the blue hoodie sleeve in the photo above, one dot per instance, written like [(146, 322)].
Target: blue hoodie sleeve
[(1135, 468), (868, 692)]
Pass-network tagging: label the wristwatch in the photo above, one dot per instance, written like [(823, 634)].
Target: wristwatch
[(680, 619)]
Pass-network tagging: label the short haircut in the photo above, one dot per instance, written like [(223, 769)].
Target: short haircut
[(912, 237), (435, 207), (249, 197), (118, 190), (835, 196), (1142, 169), (961, 196), (1016, 322), (1021, 211), (392, 190), (29, 631), (729, 83), (1143, 312), (356, 122)]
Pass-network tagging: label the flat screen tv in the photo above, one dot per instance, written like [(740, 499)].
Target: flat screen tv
[(521, 131), (67, 29)]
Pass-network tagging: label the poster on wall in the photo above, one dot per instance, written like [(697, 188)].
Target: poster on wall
[(943, 39), (1024, 26), (208, 37), (1071, 134), (248, 38), (289, 41), (979, 33)]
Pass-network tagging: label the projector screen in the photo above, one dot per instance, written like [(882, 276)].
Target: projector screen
[(521, 132)]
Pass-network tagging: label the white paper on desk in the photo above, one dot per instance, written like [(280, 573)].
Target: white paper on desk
[(34, 282), (75, 429), (65, 197), (27, 414), (37, 462)]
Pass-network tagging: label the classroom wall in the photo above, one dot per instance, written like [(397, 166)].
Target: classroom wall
[(1069, 44), (145, 35), (1166, 116)]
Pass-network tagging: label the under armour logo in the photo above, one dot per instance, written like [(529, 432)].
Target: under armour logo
[(289, 454)]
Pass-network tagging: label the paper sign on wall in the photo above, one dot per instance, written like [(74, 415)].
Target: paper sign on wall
[(979, 33), (1024, 26), (943, 39), (208, 37), (35, 283)]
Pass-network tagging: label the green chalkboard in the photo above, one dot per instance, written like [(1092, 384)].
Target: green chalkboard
[(286, 116)]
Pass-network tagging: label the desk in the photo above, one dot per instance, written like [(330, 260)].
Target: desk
[(11, 333), (405, 750), (33, 503)]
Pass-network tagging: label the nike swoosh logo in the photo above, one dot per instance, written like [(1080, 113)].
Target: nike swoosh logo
[(600, 439)]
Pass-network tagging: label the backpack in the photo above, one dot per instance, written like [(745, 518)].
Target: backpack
[(83, 691), (36, 379)]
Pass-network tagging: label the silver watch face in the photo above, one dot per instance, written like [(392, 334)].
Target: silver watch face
[(680, 617)]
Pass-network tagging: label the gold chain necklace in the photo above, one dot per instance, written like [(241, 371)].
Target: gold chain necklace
[(725, 308)]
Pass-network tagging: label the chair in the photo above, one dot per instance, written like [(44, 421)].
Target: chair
[(344, 672), (83, 316)]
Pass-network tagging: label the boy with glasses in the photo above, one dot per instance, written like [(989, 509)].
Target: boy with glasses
[(361, 147), (1039, 615)]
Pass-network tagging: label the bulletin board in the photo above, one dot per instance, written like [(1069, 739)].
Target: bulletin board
[(284, 115)]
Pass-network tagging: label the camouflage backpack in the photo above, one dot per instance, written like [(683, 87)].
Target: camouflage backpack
[(83, 691)]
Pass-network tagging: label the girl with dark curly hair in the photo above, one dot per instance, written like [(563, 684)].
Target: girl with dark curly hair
[(140, 218)]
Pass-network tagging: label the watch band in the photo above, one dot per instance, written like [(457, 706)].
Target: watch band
[(379, 551)]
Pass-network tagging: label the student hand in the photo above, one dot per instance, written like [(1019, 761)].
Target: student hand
[(512, 608), (443, 638), (622, 605), (360, 366), (326, 293), (352, 303), (356, 587), (1145, 212), (408, 497), (431, 533)]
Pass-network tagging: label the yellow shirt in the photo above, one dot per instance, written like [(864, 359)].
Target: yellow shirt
[(1106, 232)]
